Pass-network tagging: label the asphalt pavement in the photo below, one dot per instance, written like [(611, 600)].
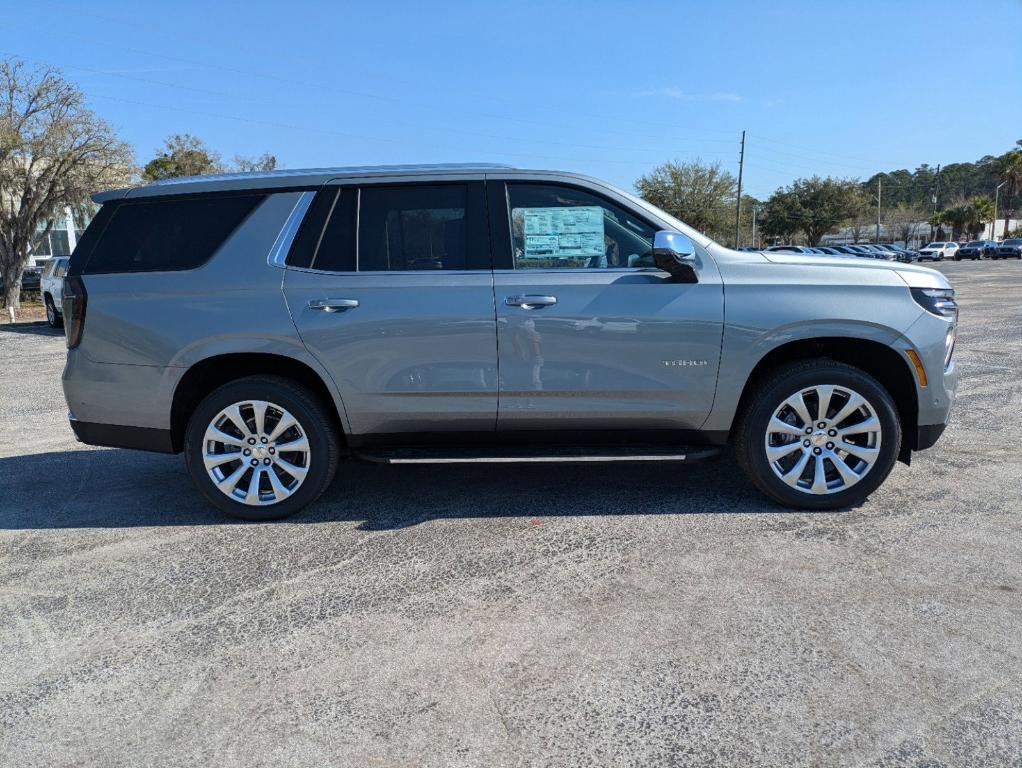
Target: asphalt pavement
[(516, 615)]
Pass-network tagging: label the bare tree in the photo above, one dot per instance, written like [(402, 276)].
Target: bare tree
[(54, 153)]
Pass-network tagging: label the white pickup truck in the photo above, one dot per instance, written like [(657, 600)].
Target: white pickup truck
[(52, 289)]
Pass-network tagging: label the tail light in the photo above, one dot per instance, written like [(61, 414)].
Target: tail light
[(73, 302)]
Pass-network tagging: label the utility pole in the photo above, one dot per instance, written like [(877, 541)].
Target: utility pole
[(755, 215), (936, 193), (993, 224), (738, 207), (879, 192)]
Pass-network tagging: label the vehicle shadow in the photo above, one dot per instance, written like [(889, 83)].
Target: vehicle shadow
[(31, 329), (108, 488)]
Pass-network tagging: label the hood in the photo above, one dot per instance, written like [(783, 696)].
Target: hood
[(913, 275)]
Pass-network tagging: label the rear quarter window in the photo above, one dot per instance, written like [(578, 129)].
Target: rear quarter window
[(168, 234)]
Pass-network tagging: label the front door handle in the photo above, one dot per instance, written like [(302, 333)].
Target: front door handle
[(530, 302), (333, 305)]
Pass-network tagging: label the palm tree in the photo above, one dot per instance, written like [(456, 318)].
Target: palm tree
[(1009, 169), (984, 208)]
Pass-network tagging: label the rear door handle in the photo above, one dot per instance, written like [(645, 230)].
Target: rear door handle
[(530, 302), (333, 305)]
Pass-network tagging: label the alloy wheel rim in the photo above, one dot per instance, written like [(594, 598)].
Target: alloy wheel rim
[(823, 439), (256, 453)]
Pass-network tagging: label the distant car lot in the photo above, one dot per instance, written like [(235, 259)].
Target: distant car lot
[(531, 615)]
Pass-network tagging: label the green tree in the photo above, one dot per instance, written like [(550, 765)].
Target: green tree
[(813, 206), (265, 162), (700, 194), (182, 155), (984, 208), (1009, 169), (54, 153)]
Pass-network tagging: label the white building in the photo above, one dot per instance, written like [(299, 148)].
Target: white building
[(60, 241)]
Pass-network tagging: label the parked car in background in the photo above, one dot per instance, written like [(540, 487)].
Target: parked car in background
[(976, 249), (29, 279), (938, 251), (52, 289), (365, 313), (905, 255), (789, 249), (1009, 249), (881, 251)]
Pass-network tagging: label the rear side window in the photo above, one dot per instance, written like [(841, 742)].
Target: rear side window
[(170, 234), (412, 228)]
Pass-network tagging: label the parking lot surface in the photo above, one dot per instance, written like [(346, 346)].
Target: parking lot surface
[(516, 615)]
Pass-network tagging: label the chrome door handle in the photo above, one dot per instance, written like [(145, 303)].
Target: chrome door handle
[(530, 302), (333, 305)]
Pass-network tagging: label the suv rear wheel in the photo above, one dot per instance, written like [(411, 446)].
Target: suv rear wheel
[(261, 448), (53, 318), (819, 435)]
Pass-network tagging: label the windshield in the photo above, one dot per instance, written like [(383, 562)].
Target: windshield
[(1013, 241), (935, 245), (974, 244)]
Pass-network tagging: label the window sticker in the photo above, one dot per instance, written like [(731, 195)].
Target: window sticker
[(563, 233)]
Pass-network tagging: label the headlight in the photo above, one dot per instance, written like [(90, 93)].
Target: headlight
[(936, 301)]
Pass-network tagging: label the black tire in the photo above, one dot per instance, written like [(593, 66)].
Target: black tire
[(751, 430), (315, 421), (53, 317)]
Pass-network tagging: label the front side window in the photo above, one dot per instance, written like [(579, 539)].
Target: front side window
[(412, 228), (557, 227)]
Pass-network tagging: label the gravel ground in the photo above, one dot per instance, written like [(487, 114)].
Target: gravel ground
[(499, 616)]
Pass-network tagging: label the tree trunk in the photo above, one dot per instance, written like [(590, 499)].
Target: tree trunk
[(12, 287)]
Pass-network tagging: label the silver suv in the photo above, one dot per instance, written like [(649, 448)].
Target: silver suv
[(268, 325)]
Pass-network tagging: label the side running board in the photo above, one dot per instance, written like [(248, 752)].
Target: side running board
[(582, 455)]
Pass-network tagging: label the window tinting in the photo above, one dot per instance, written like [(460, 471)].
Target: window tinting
[(170, 234), (303, 250), (556, 227), (412, 228)]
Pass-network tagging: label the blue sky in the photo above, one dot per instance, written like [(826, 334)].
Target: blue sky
[(609, 89)]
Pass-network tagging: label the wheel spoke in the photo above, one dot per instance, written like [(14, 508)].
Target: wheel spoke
[(234, 414), (292, 469), (866, 454), (216, 459), (871, 424), (849, 477), (824, 394), (791, 477), (784, 428), (259, 411), (252, 497), (213, 433), (286, 422), (279, 491), (299, 444), (230, 482), (855, 401), (798, 404), (819, 476), (777, 452)]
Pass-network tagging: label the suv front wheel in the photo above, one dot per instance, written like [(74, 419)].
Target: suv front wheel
[(261, 448), (819, 435)]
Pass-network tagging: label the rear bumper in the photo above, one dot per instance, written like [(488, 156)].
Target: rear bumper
[(117, 436)]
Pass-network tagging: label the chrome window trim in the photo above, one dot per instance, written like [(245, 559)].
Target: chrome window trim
[(286, 236)]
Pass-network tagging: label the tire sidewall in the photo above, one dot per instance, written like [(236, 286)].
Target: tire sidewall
[(758, 465), (296, 400)]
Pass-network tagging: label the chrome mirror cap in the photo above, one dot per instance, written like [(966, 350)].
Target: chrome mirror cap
[(674, 244), (674, 253)]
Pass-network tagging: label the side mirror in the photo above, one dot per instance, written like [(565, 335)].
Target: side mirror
[(674, 253)]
